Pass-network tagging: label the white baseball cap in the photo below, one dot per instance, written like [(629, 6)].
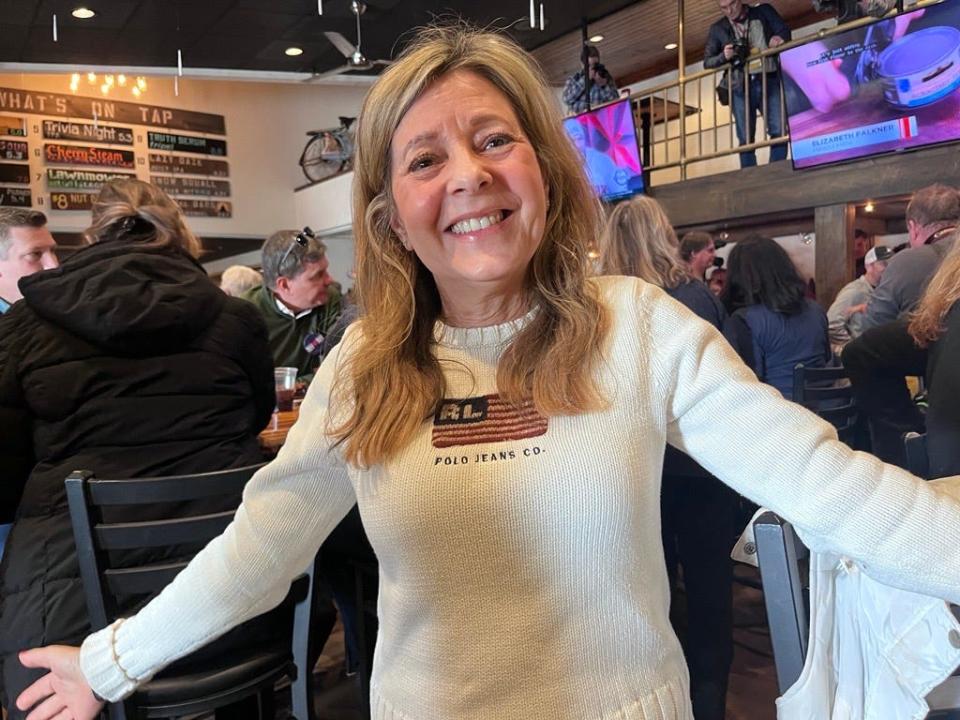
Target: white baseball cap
[(877, 252)]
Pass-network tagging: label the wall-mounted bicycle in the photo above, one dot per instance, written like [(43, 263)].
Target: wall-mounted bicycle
[(328, 152)]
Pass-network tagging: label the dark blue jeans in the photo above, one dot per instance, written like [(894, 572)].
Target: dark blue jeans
[(746, 122)]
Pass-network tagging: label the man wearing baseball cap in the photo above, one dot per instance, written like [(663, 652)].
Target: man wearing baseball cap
[(845, 316)]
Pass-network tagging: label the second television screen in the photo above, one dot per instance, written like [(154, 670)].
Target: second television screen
[(883, 87), (607, 139)]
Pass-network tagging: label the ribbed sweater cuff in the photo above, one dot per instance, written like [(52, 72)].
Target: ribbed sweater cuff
[(98, 661)]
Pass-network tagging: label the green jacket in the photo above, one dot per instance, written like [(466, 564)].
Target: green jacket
[(286, 334)]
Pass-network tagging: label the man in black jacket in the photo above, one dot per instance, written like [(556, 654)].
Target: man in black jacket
[(26, 247), (744, 30)]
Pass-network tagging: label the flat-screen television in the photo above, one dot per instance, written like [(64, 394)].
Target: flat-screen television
[(607, 139), (888, 86)]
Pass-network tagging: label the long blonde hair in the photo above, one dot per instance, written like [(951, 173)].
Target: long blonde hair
[(155, 219), (639, 240), (393, 380), (926, 323)]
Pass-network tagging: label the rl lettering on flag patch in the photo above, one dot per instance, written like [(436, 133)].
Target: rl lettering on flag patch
[(485, 419)]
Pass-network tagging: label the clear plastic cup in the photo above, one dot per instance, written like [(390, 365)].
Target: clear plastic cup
[(285, 380)]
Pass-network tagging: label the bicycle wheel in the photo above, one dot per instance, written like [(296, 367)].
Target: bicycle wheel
[(316, 161)]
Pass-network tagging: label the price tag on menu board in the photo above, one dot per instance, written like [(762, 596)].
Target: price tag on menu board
[(206, 208), (14, 150), (186, 143), (188, 165), (85, 155), (13, 126), (181, 185), (87, 132), (71, 201), (15, 197), (13, 173), (64, 179)]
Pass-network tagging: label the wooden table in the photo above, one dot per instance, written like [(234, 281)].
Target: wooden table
[(275, 434)]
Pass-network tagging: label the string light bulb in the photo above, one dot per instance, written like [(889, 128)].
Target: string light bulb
[(109, 82)]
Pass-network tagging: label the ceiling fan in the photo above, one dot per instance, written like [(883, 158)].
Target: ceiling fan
[(356, 60)]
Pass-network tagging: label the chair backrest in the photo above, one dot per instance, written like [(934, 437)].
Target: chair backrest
[(104, 546), (827, 392), (786, 597), (915, 447)]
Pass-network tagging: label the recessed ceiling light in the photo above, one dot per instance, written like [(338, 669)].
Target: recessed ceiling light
[(596, 38), (294, 51), (670, 46), (83, 13)]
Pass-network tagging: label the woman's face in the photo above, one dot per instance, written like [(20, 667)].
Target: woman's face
[(469, 196), (702, 259)]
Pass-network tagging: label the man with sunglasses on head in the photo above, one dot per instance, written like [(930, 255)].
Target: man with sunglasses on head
[(296, 299)]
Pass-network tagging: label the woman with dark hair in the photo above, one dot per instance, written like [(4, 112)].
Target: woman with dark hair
[(127, 361), (772, 325)]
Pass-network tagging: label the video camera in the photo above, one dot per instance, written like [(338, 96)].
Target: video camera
[(601, 70), (741, 51)]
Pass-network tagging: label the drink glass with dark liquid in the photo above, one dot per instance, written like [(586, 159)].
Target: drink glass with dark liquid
[(285, 379)]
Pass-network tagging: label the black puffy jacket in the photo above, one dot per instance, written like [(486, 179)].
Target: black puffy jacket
[(127, 361)]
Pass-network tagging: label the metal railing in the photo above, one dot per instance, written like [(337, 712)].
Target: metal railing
[(662, 111)]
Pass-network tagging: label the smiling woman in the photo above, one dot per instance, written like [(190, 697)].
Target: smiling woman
[(473, 135), (501, 420)]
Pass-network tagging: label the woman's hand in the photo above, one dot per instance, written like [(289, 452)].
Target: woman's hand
[(63, 693)]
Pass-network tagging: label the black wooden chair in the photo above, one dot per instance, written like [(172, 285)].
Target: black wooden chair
[(782, 560), (915, 447), (209, 678), (827, 392)]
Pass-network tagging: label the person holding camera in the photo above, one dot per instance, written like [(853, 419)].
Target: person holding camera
[(602, 87), (743, 30)]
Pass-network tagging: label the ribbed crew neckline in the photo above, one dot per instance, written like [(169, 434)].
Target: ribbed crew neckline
[(488, 336)]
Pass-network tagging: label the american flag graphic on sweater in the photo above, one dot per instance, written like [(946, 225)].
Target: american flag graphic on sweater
[(485, 419)]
